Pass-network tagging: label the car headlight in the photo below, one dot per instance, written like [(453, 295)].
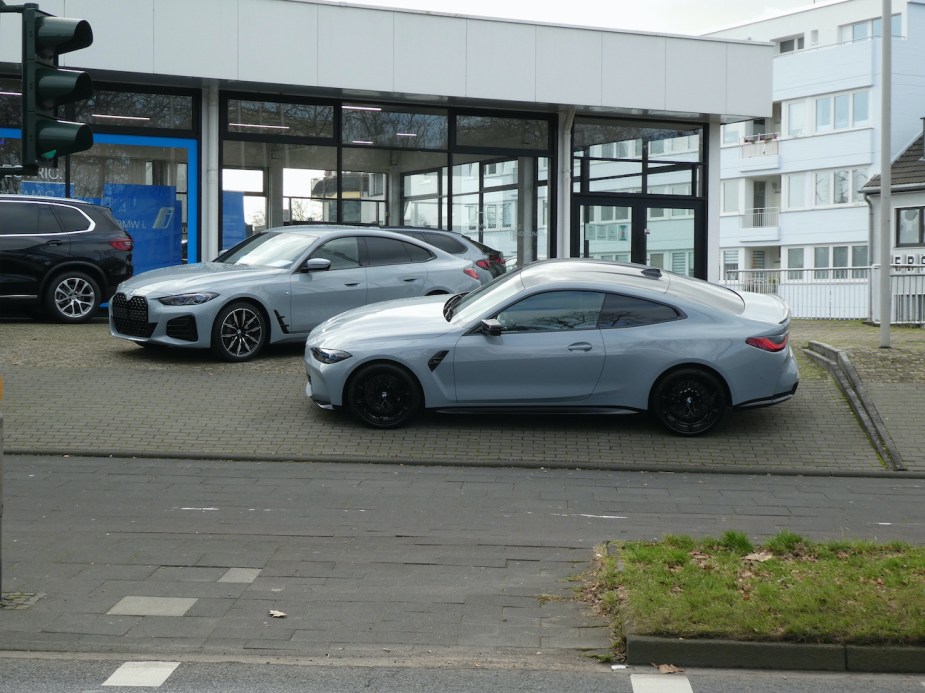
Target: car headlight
[(329, 355), (188, 299)]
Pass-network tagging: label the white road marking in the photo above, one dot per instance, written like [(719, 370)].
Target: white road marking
[(660, 683), (149, 674)]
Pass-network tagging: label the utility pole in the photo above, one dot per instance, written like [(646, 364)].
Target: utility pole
[(886, 178)]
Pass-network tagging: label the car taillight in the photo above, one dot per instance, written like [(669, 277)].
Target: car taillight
[(472, 273), (483, 264), (775, 343), (125, 244)]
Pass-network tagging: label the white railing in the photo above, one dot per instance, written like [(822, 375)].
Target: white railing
[(765, 144), (762, 217), (907, 303), (840, 293)]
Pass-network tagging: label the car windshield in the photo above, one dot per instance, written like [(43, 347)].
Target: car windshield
[(269, 250), (474, 304)]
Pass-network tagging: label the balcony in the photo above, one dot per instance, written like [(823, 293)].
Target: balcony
[(764, 144), (759, 225)]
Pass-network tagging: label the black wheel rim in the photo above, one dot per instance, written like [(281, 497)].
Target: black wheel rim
[(241, 333), (690, 405), (384, 399), (74, 298)]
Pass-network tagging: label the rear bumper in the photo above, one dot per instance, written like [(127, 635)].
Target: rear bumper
[(768, 401)]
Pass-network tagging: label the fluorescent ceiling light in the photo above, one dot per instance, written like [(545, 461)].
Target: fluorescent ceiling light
[(10, 93), (361, 108), (361, 142), (118, 117), (406, 134), (250, 125)]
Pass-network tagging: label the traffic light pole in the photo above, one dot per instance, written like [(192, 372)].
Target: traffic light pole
[(46, 87)]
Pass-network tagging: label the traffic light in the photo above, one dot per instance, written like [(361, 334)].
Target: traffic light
[(45, 87)]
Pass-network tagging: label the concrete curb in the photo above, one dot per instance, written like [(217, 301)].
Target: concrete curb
[(839, 366), (730, 654), (517, 464)]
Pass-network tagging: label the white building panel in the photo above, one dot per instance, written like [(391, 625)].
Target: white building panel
[(834, 150), (826, 70), (695, 76), (179, 40), (355, 49), (430, 55), (134, 48), (825, 226), (625, 74), (499, 60), (569, 64), (748, 74), (295, 26)]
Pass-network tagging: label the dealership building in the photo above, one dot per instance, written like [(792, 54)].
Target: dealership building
[(215, 119)]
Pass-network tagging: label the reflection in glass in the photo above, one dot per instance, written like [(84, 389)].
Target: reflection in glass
[(385, 127), (502, 133), (276, 118), (113, 109)]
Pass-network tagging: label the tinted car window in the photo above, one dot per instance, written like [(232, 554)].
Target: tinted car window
[(417, 253), (628, 311), (343, 253), (450, 245), (390, 251), (70, 218), (27, 218), (553, 311)]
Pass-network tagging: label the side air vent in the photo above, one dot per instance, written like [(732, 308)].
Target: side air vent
[(436, 359)]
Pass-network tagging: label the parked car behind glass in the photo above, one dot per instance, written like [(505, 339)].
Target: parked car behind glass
[(489, 262), (277, 285), (582, 335), (64, 255)]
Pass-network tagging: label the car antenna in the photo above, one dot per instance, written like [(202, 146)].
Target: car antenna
[(653, 272)]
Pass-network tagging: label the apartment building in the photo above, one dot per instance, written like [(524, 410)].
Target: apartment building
[(794, 218)]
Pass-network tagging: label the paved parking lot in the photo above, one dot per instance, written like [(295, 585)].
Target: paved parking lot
[(76, 390)]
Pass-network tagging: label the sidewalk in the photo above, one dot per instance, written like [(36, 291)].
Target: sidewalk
[(371, 564), (76, 390)]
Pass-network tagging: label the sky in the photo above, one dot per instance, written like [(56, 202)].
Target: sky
[(660, 16)]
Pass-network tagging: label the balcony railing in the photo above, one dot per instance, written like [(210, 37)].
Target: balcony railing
[(765, 144), (760, 218)]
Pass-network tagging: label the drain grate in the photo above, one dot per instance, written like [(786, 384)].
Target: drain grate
[(18, 600)]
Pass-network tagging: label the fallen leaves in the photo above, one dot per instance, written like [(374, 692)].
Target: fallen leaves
[(277, 614)]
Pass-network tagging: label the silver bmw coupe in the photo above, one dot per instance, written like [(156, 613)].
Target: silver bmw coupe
[(567, 334)]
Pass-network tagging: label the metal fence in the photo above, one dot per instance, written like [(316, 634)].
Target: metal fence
[(844, 293)]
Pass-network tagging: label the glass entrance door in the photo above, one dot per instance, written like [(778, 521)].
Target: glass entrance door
[(638, 231)]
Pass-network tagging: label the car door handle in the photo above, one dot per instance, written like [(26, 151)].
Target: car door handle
[(351, 283), (410, 279), (579, 346), (54, 243)]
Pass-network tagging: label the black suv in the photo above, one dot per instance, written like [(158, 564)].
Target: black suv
[(66, 255)]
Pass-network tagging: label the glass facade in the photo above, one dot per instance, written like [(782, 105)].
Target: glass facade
[(143, 165), (388, 165), (637, 191)]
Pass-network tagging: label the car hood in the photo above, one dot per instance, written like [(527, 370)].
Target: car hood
[(195, 277), (407, 318)]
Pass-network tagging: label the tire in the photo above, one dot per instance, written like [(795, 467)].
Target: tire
[(239, 332), (689, 402), (383, 396), (72, 297)]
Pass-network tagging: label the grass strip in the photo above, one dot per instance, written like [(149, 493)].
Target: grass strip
[(785, 590)]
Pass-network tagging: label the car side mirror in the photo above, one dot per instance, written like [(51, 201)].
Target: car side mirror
[(491, 327), (316, 264)]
